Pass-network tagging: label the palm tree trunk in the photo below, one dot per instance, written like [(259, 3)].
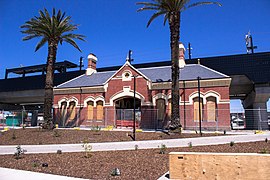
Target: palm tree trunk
[(48, 99), (174, 23)]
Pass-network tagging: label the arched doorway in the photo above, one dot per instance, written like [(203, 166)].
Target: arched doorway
[(124, 108)]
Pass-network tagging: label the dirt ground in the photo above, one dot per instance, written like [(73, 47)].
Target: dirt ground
[(133, 164), (35, 136)]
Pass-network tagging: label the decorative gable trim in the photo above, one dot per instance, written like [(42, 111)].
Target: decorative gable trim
[(132, 67)]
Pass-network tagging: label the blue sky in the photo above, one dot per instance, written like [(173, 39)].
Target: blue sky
[(113, 27)]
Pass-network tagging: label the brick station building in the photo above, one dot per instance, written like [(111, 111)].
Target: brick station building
[(106, 97)]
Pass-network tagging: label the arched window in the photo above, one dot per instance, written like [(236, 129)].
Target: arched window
[(72, 110), (160, 108), (196, 108), (90, 108), (211, 108), (63, 110), (99, 110)]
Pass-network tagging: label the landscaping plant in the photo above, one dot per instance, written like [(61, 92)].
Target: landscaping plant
[(56, 133), (87, 149), (162, 149), (19, 151)]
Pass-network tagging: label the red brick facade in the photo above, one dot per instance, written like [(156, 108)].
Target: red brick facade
[(121, 86)]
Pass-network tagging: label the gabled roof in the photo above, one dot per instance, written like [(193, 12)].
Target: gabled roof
[(189, 72), (95, 79), (155, 74)]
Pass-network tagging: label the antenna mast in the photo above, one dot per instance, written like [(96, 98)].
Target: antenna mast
[(189, 51), (249, 43)]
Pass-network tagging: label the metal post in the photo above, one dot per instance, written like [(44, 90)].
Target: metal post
[(189, 51), (260, 119), (134, 116), (251, 43), (6, 75), (22, 116), (184, 104), (200, 119), (80, 106), (81, 63)]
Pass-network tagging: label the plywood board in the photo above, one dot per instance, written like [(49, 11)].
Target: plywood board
[(219, 166)]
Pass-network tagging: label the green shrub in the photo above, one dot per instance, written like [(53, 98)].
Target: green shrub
[(19, 151), (190, 144), (87, 149), (162, 149)]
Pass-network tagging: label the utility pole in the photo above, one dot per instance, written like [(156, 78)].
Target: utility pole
[(81, 63), (189, 50), (129, 59)]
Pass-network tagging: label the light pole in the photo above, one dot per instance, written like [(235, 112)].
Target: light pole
[(200, 118), (134, 108)]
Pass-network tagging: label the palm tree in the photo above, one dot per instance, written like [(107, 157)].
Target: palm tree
[(171, 10), (53, 30)]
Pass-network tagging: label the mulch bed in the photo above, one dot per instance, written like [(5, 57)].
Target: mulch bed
[(136, 164), (35, 136)]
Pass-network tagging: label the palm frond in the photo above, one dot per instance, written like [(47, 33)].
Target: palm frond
[(147, 8), (30, 37), (55, 27), (41, 43), (72, 42), (74, 36), (154, 16), (167, 7), (203, 3)]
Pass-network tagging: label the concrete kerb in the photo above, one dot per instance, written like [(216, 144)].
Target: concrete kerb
[(130, 145), (11, 174)]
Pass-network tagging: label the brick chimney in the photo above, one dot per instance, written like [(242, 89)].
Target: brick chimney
[(182, 51), (92, 64)]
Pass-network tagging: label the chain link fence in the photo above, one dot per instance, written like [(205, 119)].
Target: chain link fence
[(191, 119), (21, 117)]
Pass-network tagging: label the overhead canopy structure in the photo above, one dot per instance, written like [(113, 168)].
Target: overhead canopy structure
[(61, 67)]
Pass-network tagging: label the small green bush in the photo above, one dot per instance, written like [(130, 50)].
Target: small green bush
[(56, 133), (264, 151), (232, 143), (162, 149), (35, 163), (19, 151), (87, 149), (190, 144)]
